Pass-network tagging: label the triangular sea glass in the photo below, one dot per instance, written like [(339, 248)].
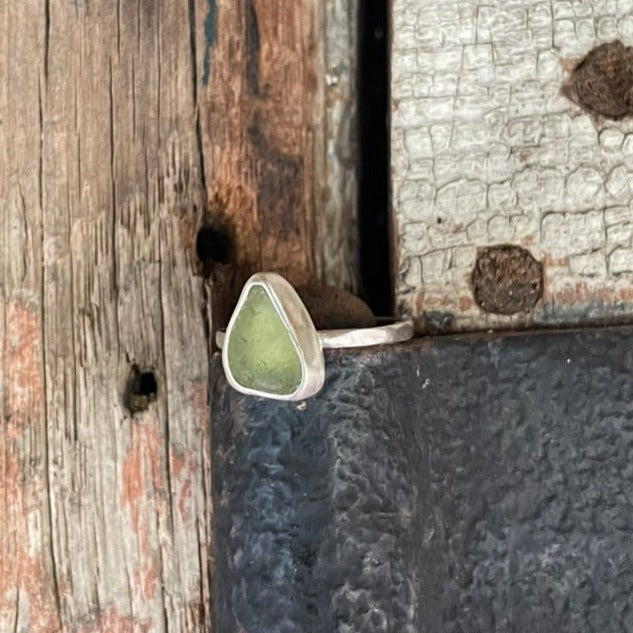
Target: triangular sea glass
[(260, 352)]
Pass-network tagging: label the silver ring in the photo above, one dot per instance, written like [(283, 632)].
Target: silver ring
[(272, 349)]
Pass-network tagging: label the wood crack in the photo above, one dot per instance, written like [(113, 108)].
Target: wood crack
[(47, 37), (48, 509)]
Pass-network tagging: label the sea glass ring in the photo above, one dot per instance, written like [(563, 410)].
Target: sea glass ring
[(272, 349)]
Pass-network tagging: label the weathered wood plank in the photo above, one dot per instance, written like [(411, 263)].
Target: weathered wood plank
[(107, 515), (261, 134), (123, 128), (336, 176), (279, 136), (486, 150)]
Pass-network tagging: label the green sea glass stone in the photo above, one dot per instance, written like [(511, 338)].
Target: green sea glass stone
[(261, 354)]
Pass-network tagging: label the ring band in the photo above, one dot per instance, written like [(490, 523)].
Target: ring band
[(272, 349), (354, 337), (367, 336)]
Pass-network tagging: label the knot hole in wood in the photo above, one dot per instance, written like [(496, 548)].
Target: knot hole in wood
[(141, 389)]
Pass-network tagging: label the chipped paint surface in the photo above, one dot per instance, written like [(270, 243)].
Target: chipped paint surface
[(27, 587), (485, 150), (27, 599), (141, 491), (22, 372)]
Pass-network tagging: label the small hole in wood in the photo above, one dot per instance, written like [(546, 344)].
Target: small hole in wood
[(141, 389), (147, 384), (213, 246)]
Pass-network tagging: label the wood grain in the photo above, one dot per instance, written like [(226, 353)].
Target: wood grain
[(106, 516), (279, 139), (261, 134), (124, 126)]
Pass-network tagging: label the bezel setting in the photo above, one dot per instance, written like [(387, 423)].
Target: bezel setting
[(300, 328)]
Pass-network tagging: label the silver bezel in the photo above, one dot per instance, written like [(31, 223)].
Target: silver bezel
[(302, 332)]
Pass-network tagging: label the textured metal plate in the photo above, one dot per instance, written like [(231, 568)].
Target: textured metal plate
[(459, 484)]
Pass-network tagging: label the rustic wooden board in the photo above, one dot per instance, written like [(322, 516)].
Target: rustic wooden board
[(485, 150), (336, 218), (105, 517), (279, 137), (124, 127), (458, 484)]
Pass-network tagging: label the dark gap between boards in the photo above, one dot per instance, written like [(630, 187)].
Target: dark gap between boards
[(374, 226)]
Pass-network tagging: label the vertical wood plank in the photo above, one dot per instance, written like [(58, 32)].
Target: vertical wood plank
[(28, 595), (279, 136), (260, 129), (107, 515)]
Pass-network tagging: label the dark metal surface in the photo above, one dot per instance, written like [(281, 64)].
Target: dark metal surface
[(460, 484)]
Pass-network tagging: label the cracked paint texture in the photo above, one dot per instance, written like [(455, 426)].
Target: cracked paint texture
[(485, 150)]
